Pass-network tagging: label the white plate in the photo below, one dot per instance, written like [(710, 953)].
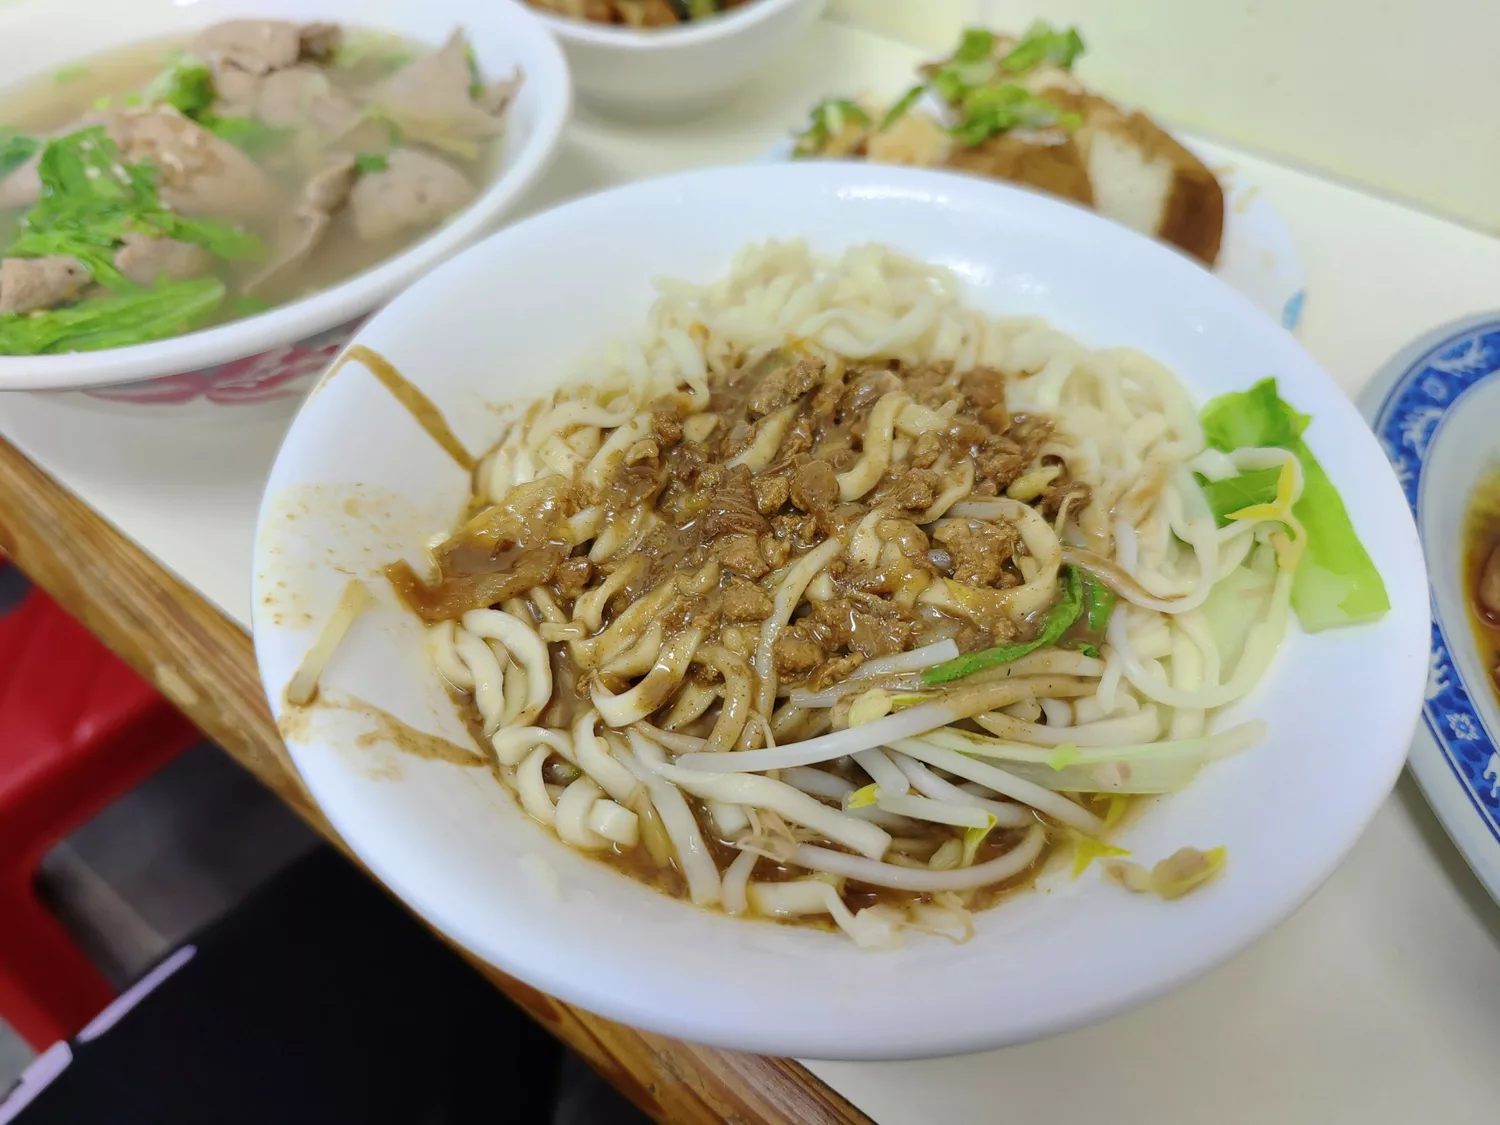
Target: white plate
[(357, 483), (1257, 254), (1434, 408)]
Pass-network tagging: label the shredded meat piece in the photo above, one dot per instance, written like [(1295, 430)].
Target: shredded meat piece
[(690, 613), (644, 450), (633, 485), (825, 402), (878, 634), (926, 450), (745, 601), (740, 554), (915, 491), (834, 670), (774, 549), (784, 385), (796, 651), (668, 427), (984, 387), (869, 631), (1075, 494), (833, 622), (1000, 462), (979, 550), (731, 507), (798, 439), (1030, 432), (815, 486), (907, 536), (573, 576), (799, 532), (861, 394), (771, 493), (456, 594)]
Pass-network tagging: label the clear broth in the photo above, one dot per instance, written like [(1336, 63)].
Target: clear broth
[(47, 105)]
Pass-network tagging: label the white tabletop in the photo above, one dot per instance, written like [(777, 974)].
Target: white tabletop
[(1378, 1002)]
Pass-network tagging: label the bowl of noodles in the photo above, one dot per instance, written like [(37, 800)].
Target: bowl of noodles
[(838, 611)]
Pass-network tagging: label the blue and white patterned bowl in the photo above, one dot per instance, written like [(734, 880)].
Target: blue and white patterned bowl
[(1434, 409)]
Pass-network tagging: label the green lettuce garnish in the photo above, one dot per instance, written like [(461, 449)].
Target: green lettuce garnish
[(995, 109), (1098, 601), (167, 309), (187, 85), (254, 138), (367, 162), (1041, 44), (828, 120), (1335, 583), (975, 44), (1232, 494), (1057, 621), (904, 103), (15, 150), (91, 200)]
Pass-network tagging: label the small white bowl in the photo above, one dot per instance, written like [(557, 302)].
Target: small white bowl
[(358, 483), (677, 72), (270, 359)]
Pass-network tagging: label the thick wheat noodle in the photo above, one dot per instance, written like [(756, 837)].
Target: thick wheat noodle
[(922, 881), (737, 705), (1118, 424), (788, 594)]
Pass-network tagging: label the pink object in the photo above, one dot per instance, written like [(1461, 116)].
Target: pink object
[(280, 373), (77, 730)]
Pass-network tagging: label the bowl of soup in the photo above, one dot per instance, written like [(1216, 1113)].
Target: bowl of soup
[(670, 59), (199, 205)]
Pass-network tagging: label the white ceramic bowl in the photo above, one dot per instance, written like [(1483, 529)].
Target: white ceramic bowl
[(358, 483), (677, 72), (271, 358)]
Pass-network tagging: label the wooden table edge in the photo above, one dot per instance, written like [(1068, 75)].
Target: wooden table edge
[(204, 663)]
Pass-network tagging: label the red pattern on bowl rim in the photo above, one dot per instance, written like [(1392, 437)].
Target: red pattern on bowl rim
[(280, 373)]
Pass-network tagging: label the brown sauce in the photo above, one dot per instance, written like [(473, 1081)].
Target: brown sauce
[(388, 730), (723, 533), (422, 408), (1481, 571)]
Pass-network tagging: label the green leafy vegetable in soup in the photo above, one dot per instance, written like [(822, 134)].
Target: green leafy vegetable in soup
[(187, 86), (167, 309), (15, 150), (254, 138), (143, 198)]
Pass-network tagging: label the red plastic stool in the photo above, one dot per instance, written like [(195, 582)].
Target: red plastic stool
[(77, 730)]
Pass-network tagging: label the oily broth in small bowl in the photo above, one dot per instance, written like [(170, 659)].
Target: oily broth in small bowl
[(453, 841)]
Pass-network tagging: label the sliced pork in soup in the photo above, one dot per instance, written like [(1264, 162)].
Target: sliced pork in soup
[(170, 187)]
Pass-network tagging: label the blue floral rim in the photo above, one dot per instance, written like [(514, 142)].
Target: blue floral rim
[(1406, 422)]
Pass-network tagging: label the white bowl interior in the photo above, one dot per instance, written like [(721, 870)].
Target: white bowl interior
[(39, 38), (358, 484)]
